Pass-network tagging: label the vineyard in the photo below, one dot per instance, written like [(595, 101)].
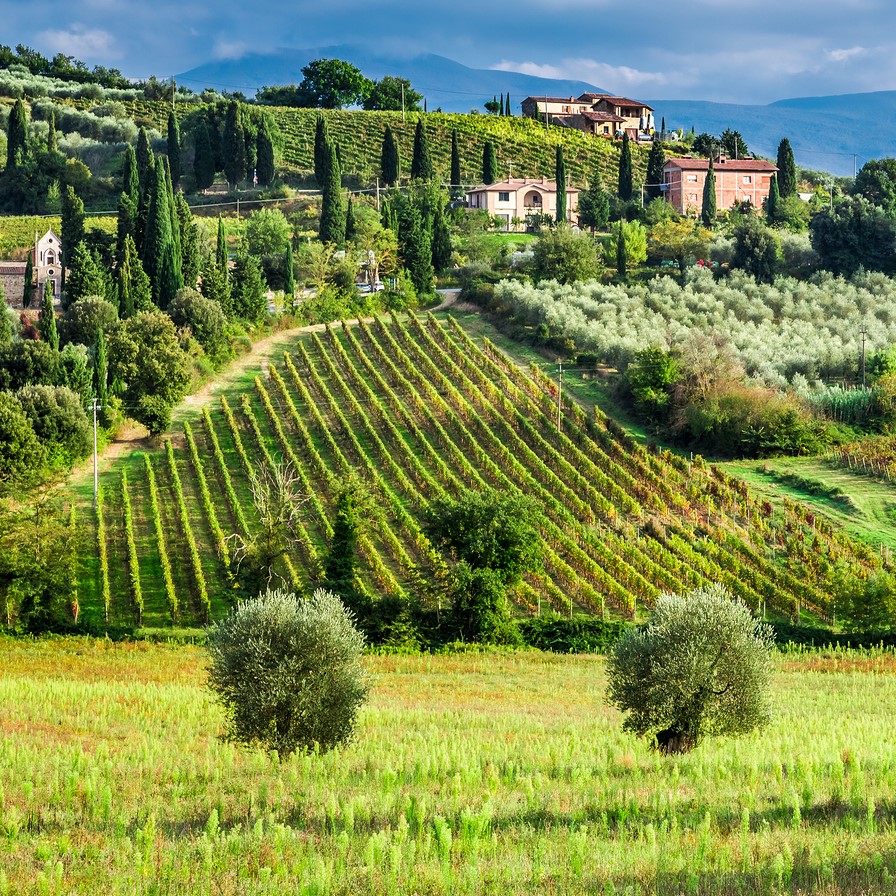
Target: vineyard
[(419, 410)]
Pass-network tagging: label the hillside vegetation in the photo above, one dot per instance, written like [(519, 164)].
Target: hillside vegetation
[(420, 410)]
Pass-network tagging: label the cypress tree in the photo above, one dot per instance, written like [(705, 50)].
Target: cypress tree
[(46, 325), (250, 136), (350, 220), (621, 252), (28, 290), (87, 276), (289, 277), (174, 148), (663, 127), (5, 322), (203, 157), (72, 230), (786, 170), (455, 162), (127, 223), (170, 279), (189, 241), (16, 137), (421, 163), (441, 240), (332, 215), (507, 111), (390, 165), (214, 137), (233, 146), (416, 248), (772, 204), (626, 184), (145, 159), (130, 175), (221, 255), (132, 284), (52, 146), (489, 163), (265, 152), (100, 369), (321, 139), (560, 173), (501, 107), (339, 571), (175, 221), (158, 240), (708, 211), (656, 160), (248, 295)]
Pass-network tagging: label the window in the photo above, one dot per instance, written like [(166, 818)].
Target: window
[(692, 178), (748, 179), (692, 197), (503, 197)]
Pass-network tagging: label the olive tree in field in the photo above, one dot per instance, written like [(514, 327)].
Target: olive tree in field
[(701, 666), (288, 671)]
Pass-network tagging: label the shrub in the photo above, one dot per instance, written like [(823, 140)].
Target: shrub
[(701, 666), (288, 671)]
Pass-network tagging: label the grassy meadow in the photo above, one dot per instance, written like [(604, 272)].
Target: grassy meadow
[(473, 773)]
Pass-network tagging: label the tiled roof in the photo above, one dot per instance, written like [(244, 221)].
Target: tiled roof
[(615, 100), (690, 164), (600, 116), (552, 99), (516, 183)]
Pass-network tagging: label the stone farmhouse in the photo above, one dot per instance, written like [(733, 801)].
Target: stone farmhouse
[(737, 180), (518, 198), (594, 113), (46, 267)]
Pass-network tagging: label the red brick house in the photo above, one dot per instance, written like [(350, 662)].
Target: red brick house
[(737, 180)]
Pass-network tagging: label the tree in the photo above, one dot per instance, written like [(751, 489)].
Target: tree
[(594, 205), (756, 249), (20, 451), (233, 146), (632, 237), (332, 84), (560, 176), (6, 331), (678, 241), (651, 378), (205, 319), (564, 255), (101, 376), (386, 96), (321, 142), (72, 228), (146, 357), (441, 240), (145, 158), (773, 202), (701, 667), (732, 144), (492, 106), (289, 273), (332, 214), (288, 671), (507, 111), (876, 181), (52, 143), (265, 152), (28, 287), (705, 145), (132, 285), (867, 605), (854, 234), (626, 174), (786, 169), (161, 254), (389, 160), (16, 137), (87, 277), (85, 317), (189, 241), (47, 324), (130, 175), (248, 300), (489, 163), (415, 244), (621, 256), (203, 157), (421, 161), (350, 220), (656, 161), (266, 232), (455, 163), (173, 149), (59, 422), (708, 207)]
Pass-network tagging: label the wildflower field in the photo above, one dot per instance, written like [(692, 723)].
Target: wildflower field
[(475, 773)]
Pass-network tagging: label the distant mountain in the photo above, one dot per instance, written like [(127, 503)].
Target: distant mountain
[(444, 83), (828, 133)]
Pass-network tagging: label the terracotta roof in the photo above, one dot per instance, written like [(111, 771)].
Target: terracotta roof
[(517, 183), (12, 267), (600, 116), (552, 99), (689, 164), (615, 100)]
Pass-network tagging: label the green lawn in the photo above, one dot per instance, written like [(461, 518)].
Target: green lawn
[(472, 774)]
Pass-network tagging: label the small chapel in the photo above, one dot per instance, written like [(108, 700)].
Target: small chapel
[(46, 268)]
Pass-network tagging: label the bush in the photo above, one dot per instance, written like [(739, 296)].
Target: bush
[(288, 671), (701, 666)]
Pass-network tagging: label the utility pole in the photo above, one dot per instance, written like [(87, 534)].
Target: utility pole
[(864, 332), (377, 194), (96, 473), (559, 395), (402, 102)]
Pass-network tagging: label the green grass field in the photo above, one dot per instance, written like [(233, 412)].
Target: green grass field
[(469, 774)]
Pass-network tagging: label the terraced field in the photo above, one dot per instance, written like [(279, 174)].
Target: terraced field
[(418, 408)]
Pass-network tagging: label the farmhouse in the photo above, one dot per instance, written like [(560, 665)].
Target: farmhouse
[(737, 180), (46, 267), (594, 113), (518, 198)]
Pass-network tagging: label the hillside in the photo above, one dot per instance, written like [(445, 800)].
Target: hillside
[(419, 409)]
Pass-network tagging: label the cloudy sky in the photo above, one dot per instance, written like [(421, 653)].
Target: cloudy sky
[(748, 52)]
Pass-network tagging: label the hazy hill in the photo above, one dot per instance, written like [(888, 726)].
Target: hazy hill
[(826, 132)]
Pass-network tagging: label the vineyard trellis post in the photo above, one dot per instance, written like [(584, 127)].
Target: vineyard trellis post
[(559, 394)]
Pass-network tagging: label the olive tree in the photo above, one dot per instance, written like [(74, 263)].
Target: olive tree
[(700, 667), (288, 671)]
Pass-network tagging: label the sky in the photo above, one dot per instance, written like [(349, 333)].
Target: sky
[(740, 52)]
